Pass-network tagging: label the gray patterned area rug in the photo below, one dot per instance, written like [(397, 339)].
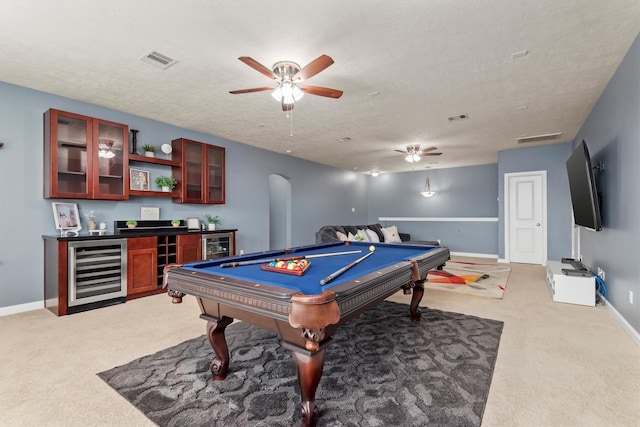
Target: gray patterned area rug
[(380, 370)]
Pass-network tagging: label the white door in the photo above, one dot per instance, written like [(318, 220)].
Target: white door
[(526, 205)]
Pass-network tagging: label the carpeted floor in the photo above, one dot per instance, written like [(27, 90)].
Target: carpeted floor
[(471, 278), (380, 370)]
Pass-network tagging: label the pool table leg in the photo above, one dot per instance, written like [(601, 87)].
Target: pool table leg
[(309, 366), (418, 292), (215, 333)]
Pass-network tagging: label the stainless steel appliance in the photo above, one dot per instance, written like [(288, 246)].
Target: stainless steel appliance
[(97, 272), (217, 245)]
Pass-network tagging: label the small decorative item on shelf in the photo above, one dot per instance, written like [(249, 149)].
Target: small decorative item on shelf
[(212, 221), (149, 150), (134, 141), (166, 183), (132, 223), (175, 222), (91, 221)]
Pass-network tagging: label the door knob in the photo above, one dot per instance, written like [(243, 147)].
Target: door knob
[(538, 225)]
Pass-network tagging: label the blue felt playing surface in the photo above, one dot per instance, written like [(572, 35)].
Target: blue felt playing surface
[(383, 256)]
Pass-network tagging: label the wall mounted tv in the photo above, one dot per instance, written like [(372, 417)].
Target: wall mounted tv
[(582, 187)]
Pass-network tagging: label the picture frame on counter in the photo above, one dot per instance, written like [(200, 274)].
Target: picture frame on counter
[(66, 218)]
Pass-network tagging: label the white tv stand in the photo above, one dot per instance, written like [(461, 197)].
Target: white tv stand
[(570, 289)]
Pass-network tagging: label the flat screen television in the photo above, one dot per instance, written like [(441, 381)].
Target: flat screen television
[(582, 187)]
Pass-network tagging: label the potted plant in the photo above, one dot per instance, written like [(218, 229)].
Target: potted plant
[(212, 221), (166, 182), (175, 222), (132, 223), (149, 150)]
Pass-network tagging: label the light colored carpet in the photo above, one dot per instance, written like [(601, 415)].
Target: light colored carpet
[(557, 365), (470, 278)]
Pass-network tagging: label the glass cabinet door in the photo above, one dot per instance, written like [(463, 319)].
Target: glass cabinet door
[(110, 158), (193, 171), (67, 164), (215, 174)]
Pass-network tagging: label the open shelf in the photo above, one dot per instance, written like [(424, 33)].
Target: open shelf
[(147, 193), (153, 160)]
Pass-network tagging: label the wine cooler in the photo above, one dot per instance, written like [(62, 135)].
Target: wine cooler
[(97, 272), (217, 245)]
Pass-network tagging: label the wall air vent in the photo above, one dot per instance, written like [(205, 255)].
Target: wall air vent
[(538, 138), (458, 117), (158, 60)]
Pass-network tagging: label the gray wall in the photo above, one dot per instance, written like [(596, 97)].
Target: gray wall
[(551, 158), (460, 192), (612, 133), (25, 216)]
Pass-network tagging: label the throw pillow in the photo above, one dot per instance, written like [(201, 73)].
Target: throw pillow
[(391, 235), (364, 235), (341, 236), (373, 236), (351, 237)]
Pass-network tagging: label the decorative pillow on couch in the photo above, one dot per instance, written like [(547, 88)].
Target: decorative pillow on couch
[(341, 236), (373, 236), (363, 233), (391, 235)]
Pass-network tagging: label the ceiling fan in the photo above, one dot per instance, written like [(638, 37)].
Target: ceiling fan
[(414, 154), (288, 75)]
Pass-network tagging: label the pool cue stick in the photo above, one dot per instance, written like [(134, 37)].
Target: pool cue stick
[(265, 260), (332, 276)]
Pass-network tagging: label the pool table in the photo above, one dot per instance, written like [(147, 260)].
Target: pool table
[(297, 307)]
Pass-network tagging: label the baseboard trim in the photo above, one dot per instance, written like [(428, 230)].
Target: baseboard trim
[(470, 254), (21, 308), (635, 336)]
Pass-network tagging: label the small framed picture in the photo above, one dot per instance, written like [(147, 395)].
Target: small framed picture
[(150, 213), (66, 216), (139, 179)]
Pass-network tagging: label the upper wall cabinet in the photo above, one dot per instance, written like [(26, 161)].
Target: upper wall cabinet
[(84, 157), (201, 177)]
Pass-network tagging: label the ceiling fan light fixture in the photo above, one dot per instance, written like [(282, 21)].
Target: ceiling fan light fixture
[(412, 157), (287, 92)]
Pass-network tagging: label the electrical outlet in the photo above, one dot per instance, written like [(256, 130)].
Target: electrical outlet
[(601, 274), (630, 296)]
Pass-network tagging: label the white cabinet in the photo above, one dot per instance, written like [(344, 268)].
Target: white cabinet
[(570, 289)]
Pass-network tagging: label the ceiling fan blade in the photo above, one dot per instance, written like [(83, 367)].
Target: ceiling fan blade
[(426, 150), (430, 154), (255, 89), (401, 151), (257, 66), (313, 68), (322, 91)]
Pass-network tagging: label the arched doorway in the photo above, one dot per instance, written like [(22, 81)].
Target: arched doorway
[(279, 212)]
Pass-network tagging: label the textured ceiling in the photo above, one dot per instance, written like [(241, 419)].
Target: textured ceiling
[(424, 60)]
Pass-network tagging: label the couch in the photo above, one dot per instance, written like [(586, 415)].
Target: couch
[(329, 233)]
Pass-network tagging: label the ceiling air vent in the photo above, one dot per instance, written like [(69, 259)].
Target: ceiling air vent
[(458, 117), (158, 60), (539, 138)]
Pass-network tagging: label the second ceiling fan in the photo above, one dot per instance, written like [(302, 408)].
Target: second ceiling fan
[(414, 154), (288, 75)]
